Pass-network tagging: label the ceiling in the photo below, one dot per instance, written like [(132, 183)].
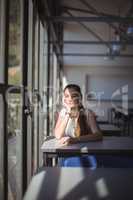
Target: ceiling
[(96, 32)]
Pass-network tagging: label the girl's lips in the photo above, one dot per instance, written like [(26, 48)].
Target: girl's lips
[(71, 104)]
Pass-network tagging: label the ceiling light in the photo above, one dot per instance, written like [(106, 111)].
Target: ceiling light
[(130, 31)]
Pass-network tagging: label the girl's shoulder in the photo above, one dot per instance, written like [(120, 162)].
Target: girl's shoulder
[(90, 113)]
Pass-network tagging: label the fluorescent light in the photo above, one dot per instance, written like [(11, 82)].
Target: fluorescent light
[(130, 31)]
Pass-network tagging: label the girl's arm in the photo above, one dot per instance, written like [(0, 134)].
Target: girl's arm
[(86, 138), (95, 134), (60, 126)]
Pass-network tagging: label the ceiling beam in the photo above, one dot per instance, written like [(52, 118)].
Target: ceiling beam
[(88, 11), (95, 42), (88, 29), (97, 55), (90, 7), (130, 11), (53, 32), (102, 19), (65, 8), (96, 12)]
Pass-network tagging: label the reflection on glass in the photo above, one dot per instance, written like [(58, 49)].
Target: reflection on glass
[(1, 147), (14, 69), (1, 44), (14, 146), (35, 85)]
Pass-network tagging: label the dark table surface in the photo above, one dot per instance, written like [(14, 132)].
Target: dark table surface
[(109, 145), (81, 184)]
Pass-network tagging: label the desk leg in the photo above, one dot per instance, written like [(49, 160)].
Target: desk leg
[(47, 161)]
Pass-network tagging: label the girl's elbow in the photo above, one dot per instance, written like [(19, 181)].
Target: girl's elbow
[(100, 135), (57, 135)]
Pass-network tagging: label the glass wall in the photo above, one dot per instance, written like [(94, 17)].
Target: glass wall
[(1, 146), (2, 40), (40, 72), (2, 22), (37, 85), (14, 68), (14, 145), (54, 90), (14, 102), (44, 77), (35, 89), (51, 90), (42, 87)]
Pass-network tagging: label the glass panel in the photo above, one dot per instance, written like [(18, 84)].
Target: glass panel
[(51, 102), (1, 42), (14, 145), (30, 76), (42, 83), (55, 88), (1, 147), (14, 68), (35, 95), (36, 50)]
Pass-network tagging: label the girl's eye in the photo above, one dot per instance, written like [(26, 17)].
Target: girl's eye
[(66, 96), (74, 96)]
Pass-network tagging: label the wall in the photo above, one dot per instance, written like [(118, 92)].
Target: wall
[(109, 85)]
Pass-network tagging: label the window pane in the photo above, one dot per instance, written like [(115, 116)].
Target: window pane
[(1, 42), (42, 84), (36, 49), (14, 69), (1, 147), (35, 99), (50, 94), (14, 146), (44, 77)]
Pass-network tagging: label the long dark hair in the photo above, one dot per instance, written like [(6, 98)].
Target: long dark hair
[(75, 91)]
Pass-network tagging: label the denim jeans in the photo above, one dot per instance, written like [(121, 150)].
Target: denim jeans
[(79, 161)]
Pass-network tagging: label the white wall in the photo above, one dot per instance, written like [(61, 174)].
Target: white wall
[(105, 74), (103, 81)]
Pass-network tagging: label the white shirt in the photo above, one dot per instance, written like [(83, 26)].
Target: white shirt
[(71, 125)]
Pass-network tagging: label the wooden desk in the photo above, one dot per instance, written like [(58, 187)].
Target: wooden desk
[(108, 146), (81, 184), (110, 129)]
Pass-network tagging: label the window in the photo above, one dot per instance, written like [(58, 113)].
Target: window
[(14, 145), (1, 146), (1, 42), (14, 102), (14, 68)]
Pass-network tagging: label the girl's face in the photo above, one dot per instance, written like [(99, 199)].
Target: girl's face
[(72, 98)]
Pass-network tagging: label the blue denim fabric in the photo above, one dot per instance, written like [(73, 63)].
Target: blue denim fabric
[(92, 162), (79, 161)]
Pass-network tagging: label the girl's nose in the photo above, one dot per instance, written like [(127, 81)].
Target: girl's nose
[(70, 99)]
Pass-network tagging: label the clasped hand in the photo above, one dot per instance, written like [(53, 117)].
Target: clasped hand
[(64, 141), (72, 111)]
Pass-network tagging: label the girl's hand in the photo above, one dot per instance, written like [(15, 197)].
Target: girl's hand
[(64, 141), (74, 113), (66, 106)]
